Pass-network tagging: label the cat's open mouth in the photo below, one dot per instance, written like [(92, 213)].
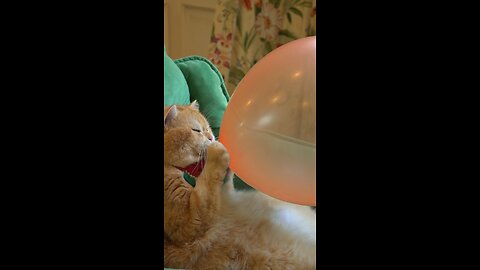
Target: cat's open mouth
[(194, 169)]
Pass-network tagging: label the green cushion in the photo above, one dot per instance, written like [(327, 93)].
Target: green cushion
[(207, 87), (175, 88)]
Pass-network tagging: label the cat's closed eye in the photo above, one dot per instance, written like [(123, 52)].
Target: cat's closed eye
[(196, 130)]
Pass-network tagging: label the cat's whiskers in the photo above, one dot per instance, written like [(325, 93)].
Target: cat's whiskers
[(208, 116)]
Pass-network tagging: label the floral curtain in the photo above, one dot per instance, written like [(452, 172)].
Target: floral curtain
[(246, 30)]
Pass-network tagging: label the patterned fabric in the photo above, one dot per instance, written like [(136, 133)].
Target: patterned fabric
[(246, 30)]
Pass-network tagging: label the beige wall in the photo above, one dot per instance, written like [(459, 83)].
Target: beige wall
[(188, 26)]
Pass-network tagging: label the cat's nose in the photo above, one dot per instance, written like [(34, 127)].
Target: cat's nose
[(210, 137)]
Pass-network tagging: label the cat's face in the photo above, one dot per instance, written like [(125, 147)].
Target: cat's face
[(186, 136)]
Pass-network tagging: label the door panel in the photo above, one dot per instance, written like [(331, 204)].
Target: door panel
[(188, 26)]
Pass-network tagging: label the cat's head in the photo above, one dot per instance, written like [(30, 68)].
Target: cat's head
[(186, 135)]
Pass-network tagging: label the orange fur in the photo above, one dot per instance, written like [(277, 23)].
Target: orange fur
[(212, 226)]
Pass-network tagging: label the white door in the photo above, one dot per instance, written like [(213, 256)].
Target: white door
[(188, 26)]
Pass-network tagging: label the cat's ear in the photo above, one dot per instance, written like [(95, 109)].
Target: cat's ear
[(195, 105), (170, 115)]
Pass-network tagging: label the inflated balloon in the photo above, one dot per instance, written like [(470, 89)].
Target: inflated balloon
[(269, 127)]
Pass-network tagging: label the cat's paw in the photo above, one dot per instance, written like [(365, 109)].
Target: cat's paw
[(228, 176), (228, 181), (217, 154)]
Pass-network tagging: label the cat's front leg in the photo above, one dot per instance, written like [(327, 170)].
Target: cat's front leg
[(205, 199), (192, 219)]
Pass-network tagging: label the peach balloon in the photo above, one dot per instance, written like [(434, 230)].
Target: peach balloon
[(269, 127)]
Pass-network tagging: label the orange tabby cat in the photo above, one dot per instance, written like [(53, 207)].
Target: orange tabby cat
[(212, 226)]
